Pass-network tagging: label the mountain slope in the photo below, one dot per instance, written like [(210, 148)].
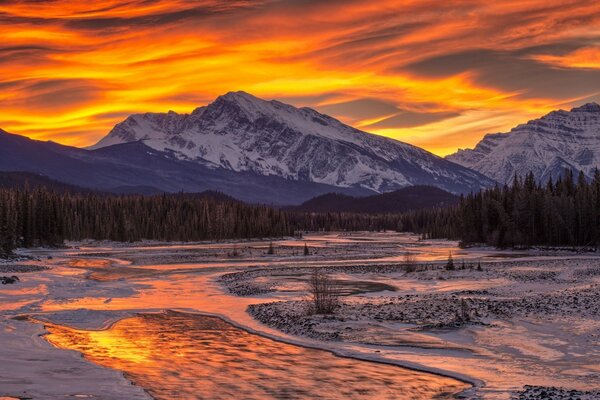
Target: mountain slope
[(410, 198), (136, 168), (242, 133), (545, 146), (32, 181)]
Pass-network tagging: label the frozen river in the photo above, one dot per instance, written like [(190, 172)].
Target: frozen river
[(109, 302)]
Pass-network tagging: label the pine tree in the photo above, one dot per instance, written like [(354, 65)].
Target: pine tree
[(450, 264)]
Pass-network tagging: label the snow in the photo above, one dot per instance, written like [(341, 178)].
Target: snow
[(536, 321), (30, 367), (545, 146), (533, 321), (244, 133)]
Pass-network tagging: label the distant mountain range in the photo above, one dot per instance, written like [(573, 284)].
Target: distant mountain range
[(32, 181), (410, 198), (254, 150), (136, 168), (242, 133), (546, 146), (273, 153)]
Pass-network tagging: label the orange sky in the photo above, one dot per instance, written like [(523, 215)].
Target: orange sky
[(431, 73)]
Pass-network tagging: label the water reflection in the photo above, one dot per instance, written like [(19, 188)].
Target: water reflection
[(334, 249), (178, 355)]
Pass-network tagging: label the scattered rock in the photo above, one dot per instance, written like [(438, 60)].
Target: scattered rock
[(7, 280), (21, 268), (554, 393)]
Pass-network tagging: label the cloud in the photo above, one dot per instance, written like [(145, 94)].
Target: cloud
[(585, 58), (408, 119), (414, 70), (43, 96), (512, 72), (360, 109)]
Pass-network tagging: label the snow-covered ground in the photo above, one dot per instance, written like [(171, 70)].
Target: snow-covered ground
[(512, 324), (533, 316)]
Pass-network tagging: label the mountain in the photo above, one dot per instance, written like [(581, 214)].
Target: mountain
[(546, 146), (136, 168), (244, 134), (30, 180), (410, 198)]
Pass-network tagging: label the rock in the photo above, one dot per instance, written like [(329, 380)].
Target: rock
[(5, 280)]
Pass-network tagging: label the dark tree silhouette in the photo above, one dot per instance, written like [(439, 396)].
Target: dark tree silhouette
[(565, 212)]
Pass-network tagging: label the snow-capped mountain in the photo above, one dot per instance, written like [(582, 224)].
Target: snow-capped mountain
[(545, 146), (243, 133), (137, 168)]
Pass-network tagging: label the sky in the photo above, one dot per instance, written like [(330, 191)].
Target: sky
[(436, 74)]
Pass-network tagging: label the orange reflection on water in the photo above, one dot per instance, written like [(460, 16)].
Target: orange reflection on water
[(177, 355)]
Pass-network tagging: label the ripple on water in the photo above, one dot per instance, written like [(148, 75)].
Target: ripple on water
[(178, 355)]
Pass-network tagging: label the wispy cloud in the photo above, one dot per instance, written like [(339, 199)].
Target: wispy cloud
[(437, 74)]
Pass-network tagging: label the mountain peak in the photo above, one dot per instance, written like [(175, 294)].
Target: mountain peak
[(243, 133), (242, 99), (239, 95), (545, 146), (241, 102), (588, 107)]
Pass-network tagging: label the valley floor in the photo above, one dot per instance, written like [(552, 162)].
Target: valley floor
[(525, 326)]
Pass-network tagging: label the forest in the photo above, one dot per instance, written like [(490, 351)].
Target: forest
[(564, 213), (48, 217)]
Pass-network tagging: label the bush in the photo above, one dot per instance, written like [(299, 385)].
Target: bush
[(324, 293), (450, 264), (410, 262), (463, 314)]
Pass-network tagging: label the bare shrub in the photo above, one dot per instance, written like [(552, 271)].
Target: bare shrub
[(463, 314), (234, 252), (450, 264), (410, 261), (323, 292)]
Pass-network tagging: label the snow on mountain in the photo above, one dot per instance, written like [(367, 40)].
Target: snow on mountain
[(241, 132), (545, 146)]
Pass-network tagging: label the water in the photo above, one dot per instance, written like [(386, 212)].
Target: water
[(179, 355)]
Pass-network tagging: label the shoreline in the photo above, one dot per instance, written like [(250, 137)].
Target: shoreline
[(208, 285), (293, 342), (297, 343)]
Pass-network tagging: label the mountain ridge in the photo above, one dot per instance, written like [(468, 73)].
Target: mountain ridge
[(132, 166), (401, 200), (241, 132), (545, 146)]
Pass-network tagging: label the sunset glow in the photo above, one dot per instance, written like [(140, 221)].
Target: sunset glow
[(437, 75)]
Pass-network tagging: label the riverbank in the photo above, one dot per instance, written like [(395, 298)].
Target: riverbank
[(97, 291), (90, 287), (537, 318)]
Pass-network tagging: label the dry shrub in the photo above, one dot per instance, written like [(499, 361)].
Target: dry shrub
[(410, 261), (324, 293)]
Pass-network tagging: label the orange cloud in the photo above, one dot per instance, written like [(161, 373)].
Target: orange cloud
[(439, 75), (587, 57)]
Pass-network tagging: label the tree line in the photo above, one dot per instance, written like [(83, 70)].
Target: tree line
[(47, 217), (44, 217), (564, 212)]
